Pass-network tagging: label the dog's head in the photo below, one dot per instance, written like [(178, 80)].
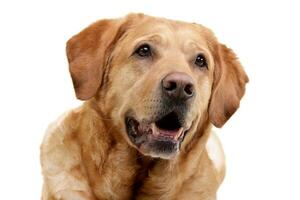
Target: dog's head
[(157, 79)]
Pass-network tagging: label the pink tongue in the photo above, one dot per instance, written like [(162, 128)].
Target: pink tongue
[(168, 133), (154, 130)]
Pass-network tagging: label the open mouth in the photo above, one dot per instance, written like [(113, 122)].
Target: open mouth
[(167, 128)]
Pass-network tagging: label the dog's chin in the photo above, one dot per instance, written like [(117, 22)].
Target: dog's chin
[(159, 138)]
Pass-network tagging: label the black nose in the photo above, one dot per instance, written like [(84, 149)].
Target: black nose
[(178, 85)]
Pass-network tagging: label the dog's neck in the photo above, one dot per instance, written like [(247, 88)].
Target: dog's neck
[(145, 164), (98, 135)]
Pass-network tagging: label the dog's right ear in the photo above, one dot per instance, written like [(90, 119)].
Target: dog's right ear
[(88, 52), (229, 86)]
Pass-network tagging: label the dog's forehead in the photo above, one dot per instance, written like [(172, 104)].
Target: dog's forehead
[(170, 30)]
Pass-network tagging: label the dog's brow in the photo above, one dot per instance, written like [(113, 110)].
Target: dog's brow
[(155, 38), (194, 45), (191, 45)]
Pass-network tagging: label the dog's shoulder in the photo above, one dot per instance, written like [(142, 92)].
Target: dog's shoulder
[(60, 148), (62, 127), (216, 155), (60, 156), (58, 140)]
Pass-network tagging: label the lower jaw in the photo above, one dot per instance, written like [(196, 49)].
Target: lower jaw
[(158, 147)]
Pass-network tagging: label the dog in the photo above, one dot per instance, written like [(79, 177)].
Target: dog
[(153, 89)]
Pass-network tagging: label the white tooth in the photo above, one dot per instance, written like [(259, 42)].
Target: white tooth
[(155, 132), (179, 134)]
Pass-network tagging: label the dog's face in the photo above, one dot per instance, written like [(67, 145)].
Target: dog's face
[(157, 79)]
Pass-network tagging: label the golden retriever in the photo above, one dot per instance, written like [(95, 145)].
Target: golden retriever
[(153, 88)]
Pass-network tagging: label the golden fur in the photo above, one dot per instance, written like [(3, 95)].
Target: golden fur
[(86, 154)]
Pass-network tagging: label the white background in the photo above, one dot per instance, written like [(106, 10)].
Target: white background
[(261, 141)]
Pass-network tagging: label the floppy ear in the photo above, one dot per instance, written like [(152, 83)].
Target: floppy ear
[(87, 54), (228, 86)]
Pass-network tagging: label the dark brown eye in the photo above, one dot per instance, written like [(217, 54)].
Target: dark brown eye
[(201, 61), (144, 51)]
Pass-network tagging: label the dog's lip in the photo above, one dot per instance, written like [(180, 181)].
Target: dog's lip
[(172, 134), (135, 129)]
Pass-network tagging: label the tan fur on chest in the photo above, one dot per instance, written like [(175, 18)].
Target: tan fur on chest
[(104, 169)]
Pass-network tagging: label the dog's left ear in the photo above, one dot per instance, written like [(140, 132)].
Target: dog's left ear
[(228, 86), (88, 53)]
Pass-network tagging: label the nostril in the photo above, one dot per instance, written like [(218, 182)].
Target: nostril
[(169, 85), (189, 89), (178, 85)]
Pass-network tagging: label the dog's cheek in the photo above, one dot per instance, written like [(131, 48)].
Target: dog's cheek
[(150, 94), (203, 92), (121, 92)]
